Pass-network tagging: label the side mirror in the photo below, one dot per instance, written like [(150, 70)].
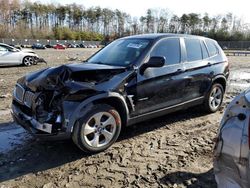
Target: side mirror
[(153, 62)]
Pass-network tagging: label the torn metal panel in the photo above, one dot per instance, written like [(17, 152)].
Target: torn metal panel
[(231, 156), (59, 91)]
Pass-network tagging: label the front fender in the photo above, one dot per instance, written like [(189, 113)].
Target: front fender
[(76, 110)]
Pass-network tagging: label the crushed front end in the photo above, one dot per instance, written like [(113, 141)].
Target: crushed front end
[(40, 113), (46, 102)]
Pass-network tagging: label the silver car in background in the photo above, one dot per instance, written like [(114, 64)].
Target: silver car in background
[(13, 56), (231, 155)]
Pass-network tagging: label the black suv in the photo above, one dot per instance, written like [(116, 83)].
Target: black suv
[(131, 80)]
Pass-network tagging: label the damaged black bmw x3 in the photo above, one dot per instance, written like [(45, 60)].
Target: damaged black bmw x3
[(133, 79)]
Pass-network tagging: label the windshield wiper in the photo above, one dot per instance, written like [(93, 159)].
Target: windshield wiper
[(102, 63), (97, 62)]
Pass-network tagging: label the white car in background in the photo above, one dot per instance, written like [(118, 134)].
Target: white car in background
[(232, 149), (13, 56)]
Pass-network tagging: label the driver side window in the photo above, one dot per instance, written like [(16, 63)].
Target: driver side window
[(3, 49), (168, 48)]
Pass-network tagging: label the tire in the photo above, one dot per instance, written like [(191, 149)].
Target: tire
[(98, 129), (214, 98), (28, 61)]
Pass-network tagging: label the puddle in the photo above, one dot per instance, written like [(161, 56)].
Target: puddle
[(240, 85), (239, 80), (11, 136), (238, 75)]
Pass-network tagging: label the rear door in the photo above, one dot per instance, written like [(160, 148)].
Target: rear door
[(162, 87), (197, 69)]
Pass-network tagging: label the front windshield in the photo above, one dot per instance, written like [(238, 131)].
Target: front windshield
[(10, 48), (121, 52)]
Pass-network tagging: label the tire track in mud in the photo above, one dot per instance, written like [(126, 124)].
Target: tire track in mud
[(172, 151), (141, 158)]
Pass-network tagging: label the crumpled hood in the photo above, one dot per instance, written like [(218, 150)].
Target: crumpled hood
[(56, 78)]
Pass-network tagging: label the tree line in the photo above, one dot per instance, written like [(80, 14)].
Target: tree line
[(24, 19)]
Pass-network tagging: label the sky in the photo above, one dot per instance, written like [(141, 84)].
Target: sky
[(138, 8)]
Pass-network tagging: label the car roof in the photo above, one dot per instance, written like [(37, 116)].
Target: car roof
[(156, 36)]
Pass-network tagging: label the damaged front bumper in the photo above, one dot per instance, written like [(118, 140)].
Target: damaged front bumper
[(34, 127)]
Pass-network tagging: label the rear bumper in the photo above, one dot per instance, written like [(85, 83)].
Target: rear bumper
[(35, 128)]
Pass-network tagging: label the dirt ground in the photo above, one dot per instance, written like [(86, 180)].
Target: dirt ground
[(171, 151)]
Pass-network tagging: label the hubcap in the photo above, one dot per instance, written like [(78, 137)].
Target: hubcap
[(100, 129), (28, 61), (215, 98)]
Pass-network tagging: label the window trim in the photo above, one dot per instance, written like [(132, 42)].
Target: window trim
[(203, 42)]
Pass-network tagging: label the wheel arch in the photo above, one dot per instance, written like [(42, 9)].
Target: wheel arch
[(111, 98), (118, 104), (220, 80)]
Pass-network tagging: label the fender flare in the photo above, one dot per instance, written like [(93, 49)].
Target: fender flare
[(86, 105), (221, 76)]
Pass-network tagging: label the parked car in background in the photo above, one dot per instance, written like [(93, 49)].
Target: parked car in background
[(49, 46), (83, 46), (231, 155), (13, 56), (38, 46), (16, 46), (59, 46), (133, 79), (70, 45)]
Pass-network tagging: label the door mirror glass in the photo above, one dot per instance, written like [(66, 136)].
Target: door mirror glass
[(153, 62)]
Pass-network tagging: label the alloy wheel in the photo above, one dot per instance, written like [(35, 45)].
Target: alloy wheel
[(28, 61), (99, 129), (215, 98)]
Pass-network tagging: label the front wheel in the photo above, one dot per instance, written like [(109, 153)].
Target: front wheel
[(214, 98), (28, 61), (98, 129)]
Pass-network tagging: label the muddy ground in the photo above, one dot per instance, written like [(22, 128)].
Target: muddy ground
[(171, 151)]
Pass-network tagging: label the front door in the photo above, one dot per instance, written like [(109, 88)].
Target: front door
[(158, 88), (8, 57)]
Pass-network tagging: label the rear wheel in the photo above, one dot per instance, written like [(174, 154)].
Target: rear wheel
[(28, 61), (98, 129), (214, 98)]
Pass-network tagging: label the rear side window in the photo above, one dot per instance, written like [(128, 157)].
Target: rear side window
[(204, 50), (213, 50), (193, 49), (168, 48)]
